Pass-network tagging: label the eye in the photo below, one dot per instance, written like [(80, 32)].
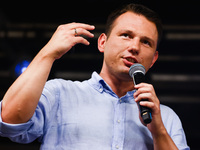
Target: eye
[(126, 35), (146, 42)]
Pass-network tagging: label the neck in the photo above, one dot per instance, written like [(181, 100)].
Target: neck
[(119, 85)]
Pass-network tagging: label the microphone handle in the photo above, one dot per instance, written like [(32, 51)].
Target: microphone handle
[(145, 112)]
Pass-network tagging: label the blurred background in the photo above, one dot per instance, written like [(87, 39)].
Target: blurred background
[(26, 27)]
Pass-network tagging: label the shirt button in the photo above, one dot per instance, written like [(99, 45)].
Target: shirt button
[(118, 121), (117, 147), (100, 89)]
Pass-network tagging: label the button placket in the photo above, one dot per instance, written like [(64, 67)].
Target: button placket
[(118, 136)]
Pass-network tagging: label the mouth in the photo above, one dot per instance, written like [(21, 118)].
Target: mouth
[(129, 61)]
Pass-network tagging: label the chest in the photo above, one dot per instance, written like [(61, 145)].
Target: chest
[(98, 120)]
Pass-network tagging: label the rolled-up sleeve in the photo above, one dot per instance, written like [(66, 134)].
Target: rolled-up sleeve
[(36, 126), (24, 132)]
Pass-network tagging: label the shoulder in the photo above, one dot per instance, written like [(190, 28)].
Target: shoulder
[(166, 109), (170, 118), (58, 90), (167, 112), (58, 85)]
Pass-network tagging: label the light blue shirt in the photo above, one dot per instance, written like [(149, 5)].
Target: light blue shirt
[(88, 115)]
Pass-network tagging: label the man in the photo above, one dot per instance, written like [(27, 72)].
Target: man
[(99, 113)]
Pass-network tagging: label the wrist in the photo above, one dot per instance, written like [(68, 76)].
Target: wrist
[(163, 141), (160, 134), (45, 54)]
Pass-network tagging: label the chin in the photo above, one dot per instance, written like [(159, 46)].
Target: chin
[(125, 72)]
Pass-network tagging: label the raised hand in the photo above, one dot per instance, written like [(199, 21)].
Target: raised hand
[(66, 36)]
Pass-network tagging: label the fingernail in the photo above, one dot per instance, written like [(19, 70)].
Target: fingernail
[(141, 102), (135, 99)]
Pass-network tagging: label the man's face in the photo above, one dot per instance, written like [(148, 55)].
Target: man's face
[(133, 39)]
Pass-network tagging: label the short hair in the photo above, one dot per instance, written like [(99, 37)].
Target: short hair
[(137, 9)]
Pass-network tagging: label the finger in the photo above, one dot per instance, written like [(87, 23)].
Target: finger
[(84, 32), (143, 96), (143, 85), (154, 107), (144, 88), (82, 25), (141, 90), (81, 40), (139, 85), (147, 104)]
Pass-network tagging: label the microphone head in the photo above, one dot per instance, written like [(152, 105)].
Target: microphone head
[(136, 68)]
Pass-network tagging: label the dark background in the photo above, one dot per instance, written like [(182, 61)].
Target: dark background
[(26, 27)]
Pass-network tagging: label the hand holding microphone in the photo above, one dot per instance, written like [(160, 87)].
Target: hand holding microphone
[(137, 72)]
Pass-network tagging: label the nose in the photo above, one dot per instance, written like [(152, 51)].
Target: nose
[(134, 46)]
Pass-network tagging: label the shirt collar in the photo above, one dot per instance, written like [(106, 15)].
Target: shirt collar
[(98, 83), (101, 86)]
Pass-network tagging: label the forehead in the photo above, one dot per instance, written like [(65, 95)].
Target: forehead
[(137, 23)]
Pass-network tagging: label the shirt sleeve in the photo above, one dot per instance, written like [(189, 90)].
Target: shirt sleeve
[(174, 127), (24, 132), (35, 127), (179, 136)]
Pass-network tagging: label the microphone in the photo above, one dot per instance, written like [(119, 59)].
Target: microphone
[(137, 72)]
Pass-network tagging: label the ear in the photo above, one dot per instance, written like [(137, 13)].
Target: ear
[(101, 42), (154, 58)]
